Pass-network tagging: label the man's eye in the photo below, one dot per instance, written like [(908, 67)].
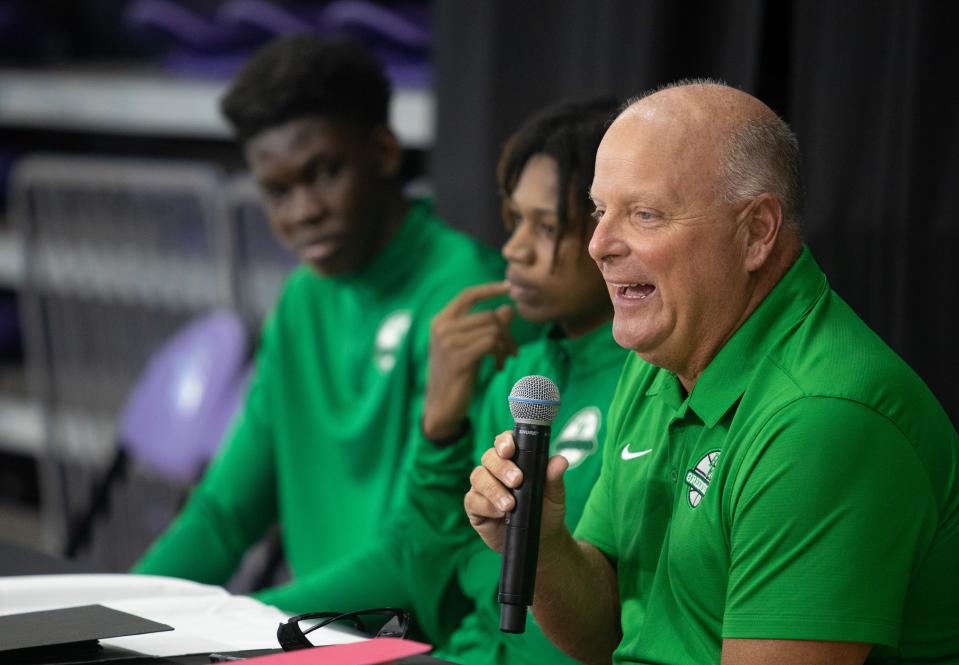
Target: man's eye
[(275, 194), (331, 169), (548, 230), (323, 170), (645, 215), (511, 220), (597, 214)]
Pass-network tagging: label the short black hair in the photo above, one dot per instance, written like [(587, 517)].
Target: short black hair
[(570, 133), (301, 75)]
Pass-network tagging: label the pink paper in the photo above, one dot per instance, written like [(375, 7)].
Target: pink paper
[(370, 652)]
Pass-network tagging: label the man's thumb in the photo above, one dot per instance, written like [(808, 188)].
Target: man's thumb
[(555, 489)]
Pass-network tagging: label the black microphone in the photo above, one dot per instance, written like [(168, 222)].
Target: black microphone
[(533, 402)]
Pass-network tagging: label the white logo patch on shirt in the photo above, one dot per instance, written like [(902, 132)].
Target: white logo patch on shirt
[(578, 438), (699, 477), (390, 336)]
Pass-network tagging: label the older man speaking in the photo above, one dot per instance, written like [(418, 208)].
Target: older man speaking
[(779, 486)]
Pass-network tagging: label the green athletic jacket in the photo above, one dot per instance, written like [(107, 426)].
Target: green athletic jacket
[(320, 444)]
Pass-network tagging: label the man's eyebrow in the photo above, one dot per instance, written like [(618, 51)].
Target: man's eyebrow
[(632, 197), (534, 210), (537, 212), (312, 163)]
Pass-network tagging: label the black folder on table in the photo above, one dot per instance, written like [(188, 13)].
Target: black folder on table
[(68, 635)]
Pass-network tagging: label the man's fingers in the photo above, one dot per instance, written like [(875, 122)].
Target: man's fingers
[(486, 518), (478, 328), (487, 496), (469, 320), (501, 474), (504, 314), (469, 346), (472, 295), (504, 445)]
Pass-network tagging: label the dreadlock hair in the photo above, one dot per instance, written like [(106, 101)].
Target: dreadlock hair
[(300, 75), (569, 133)]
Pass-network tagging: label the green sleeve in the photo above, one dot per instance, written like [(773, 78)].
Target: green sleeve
[(234, 503), (371, 578), (413, 564), (597, 525), (822, 545)]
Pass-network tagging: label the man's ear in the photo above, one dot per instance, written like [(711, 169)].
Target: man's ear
[(763, 223), (387, 151)]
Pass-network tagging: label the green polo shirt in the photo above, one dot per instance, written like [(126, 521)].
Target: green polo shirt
[(806, 489)]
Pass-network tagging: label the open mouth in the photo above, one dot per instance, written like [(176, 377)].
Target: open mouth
[(638, 291)]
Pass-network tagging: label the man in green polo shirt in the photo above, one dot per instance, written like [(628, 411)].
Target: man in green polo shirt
[(777, 486)]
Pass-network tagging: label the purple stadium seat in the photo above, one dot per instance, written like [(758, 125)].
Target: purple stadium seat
[(177, 412), (186, 396)]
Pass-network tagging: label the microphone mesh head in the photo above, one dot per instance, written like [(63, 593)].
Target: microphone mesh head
[(534, 398)]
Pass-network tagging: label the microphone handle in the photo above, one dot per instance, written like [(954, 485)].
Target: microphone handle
[(521, 550)]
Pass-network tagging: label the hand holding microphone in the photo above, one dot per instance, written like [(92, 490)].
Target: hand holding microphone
[(516, 485)]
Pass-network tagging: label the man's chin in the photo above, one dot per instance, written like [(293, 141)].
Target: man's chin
[(328, 267), (628, 337), (532, 312)]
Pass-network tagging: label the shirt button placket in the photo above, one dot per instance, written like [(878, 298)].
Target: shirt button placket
[(676, 447)]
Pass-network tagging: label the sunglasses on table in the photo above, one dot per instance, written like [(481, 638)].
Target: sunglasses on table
[(386, 621)]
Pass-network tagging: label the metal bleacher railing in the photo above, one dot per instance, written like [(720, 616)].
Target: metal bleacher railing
[(117, 255)]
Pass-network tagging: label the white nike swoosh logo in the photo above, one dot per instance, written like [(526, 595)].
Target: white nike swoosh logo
[(627, 455)]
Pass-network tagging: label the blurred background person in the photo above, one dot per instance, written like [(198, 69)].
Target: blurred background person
[(319, 446)]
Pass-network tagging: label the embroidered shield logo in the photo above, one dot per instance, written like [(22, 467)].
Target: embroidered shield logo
[(699, 476)]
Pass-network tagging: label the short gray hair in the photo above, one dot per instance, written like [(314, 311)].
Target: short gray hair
[(762, 156)]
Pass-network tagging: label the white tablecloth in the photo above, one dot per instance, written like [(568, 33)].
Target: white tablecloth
[(204, 618)]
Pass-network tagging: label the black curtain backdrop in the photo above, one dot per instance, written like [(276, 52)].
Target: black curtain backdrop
[(869, 87)]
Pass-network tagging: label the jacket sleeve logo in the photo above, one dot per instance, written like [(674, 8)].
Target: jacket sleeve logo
[(579, 437)]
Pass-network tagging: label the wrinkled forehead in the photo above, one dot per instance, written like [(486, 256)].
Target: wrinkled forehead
[(679, 129), (675, 153)]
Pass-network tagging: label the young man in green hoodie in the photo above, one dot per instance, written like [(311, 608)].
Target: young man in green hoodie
[(320, 445)]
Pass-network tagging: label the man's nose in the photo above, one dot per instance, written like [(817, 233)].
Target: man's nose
[(607, 241), (518, 248), (305, 205)]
